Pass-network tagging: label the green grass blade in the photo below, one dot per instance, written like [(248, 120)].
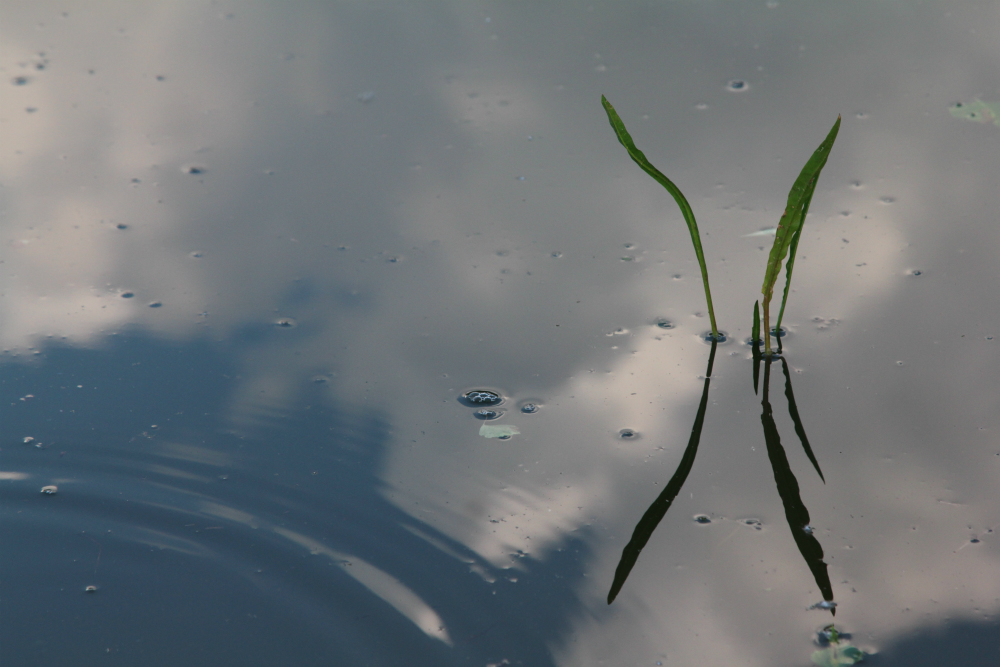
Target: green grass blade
[(637, 156), (755, 333), (791, 219), (790, 225), (791, 256)]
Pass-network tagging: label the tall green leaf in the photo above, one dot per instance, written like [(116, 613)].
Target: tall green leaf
[(626, 140), (790, 225)]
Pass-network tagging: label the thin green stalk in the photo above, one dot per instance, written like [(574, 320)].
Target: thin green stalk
[(637, 156)]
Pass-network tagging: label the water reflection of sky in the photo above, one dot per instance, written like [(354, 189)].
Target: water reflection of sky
[(431, 199)]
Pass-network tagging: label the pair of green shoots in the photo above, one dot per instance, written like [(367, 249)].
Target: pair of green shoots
[(786, 238)]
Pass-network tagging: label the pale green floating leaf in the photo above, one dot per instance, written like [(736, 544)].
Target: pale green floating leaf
[(978, 111), (838, 656), (501, 431)]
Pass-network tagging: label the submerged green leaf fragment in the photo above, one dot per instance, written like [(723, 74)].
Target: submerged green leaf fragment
[(977, 110), (501, 431), (838, 655)]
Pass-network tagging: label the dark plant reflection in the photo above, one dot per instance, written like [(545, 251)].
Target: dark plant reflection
[(788, 489), (651, 519)]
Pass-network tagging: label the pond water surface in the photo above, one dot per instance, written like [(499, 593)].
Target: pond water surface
[(255, 257)]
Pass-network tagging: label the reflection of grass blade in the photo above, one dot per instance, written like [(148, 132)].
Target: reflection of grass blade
[(788, 488), (790, 224), (626, 140), (651, 519), (794, 413)]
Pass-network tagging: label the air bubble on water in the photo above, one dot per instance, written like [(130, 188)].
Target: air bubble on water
[(156, 304), (28, 439), (628, 258), (197, 254), (701, 106), (628, 246), (974, 540), (520, 178), (664, 323), (899, 363), (756, 523), (857, 185), (677, 276), (90, 589), (529, 408), (482, 397), (861, 114), (887, 200), (702, 519), (916, 272), (20, 80), (720, 338), (488, 415), (620, 331), (556, 254), (50, 490), (808, 530), (627, 434), (160, 77), (366, 97), (286, 323), (128, 295), (121, 225), (194, 169), (737, 86)]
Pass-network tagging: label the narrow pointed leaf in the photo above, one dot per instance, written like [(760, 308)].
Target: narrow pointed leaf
[(792, 218), (637, 156)]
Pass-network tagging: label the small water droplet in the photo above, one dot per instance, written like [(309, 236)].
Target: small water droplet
[(665, 324), (286, 323), (529, 408), (50, 490), (701, 518), (737, 86), (128, 295), (483, 397), (156, 304), (627, 434)]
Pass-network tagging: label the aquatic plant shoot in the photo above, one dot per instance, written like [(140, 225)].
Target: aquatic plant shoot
[(790, 229), (637, 156)]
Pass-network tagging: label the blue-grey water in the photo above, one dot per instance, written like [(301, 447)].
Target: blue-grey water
[(255, 255)]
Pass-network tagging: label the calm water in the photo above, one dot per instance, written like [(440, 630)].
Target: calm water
[(254, 256)]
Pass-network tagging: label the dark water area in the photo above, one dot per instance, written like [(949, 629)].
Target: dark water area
[(347, 333), (209, 545)]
